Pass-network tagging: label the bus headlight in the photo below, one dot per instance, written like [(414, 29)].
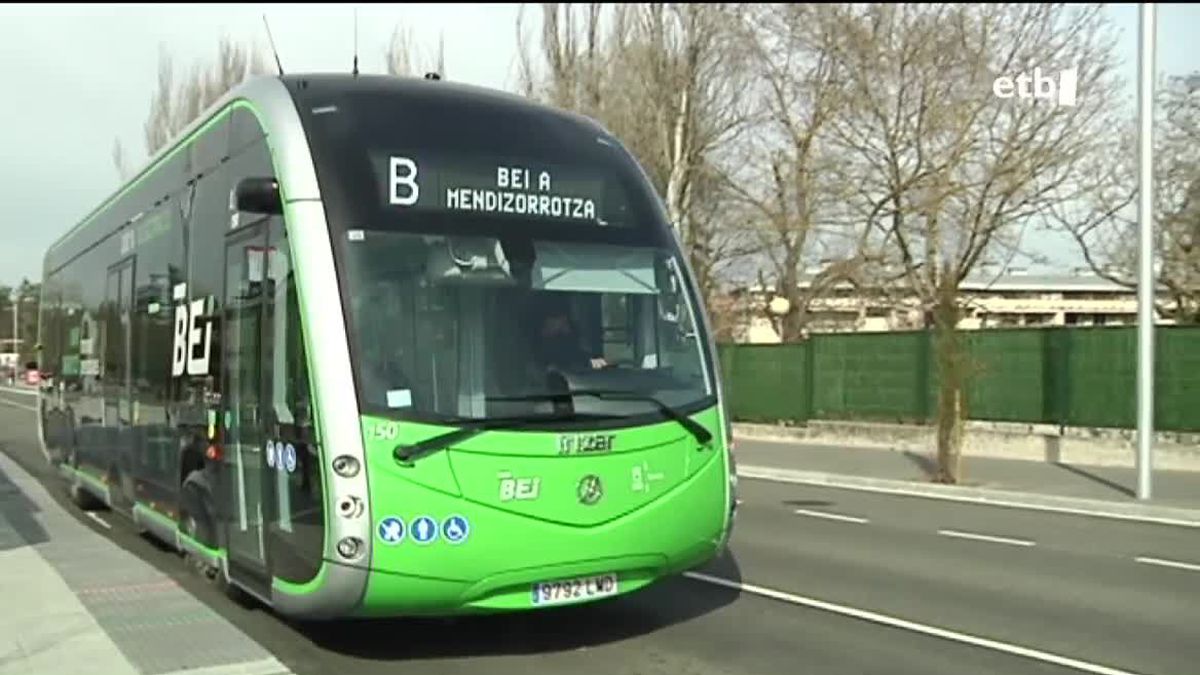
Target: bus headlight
[(350, 547)]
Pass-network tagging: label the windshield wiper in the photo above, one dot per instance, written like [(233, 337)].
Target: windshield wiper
[(703, 436), (406, 454)]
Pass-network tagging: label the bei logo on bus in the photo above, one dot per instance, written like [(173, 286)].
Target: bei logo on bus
[(192, 346), (520, 489), (579, 444)]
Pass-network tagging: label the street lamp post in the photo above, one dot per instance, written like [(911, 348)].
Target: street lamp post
[(16, 344), (1145, 362), (15, 298)]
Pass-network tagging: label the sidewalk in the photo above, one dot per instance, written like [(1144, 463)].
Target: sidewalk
[(865, 466), (74, 602)]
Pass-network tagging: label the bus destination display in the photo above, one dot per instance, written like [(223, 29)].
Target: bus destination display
[(514, 188)]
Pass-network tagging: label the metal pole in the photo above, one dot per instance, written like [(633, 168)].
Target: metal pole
[(1145, 366), (16, 343)]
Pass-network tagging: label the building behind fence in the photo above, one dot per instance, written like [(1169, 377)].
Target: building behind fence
[(1013, 299), (1068, 376)]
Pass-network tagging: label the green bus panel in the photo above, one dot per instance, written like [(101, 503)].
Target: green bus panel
[(661, 511)]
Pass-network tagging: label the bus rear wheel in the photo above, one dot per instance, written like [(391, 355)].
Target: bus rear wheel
[(196, 510), (83, 499), (86, 501)]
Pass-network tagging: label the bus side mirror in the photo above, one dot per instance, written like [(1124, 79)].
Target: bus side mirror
[(258, 195)]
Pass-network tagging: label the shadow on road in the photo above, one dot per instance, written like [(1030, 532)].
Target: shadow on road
[(666, 603), (927, 465), (1097, 479), (18, 527)]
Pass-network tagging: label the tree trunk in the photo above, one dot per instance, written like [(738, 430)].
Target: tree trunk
[(952, 409)]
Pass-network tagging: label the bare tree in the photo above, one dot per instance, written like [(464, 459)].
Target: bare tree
[(684, 68), (789, 175), (173, 109), (402, 56), (160, 125), (119, 161), (1100, 208), (664, 78), (573, 50), (947, 175)]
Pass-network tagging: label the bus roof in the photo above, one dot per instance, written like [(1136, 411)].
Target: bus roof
[(305, 85)]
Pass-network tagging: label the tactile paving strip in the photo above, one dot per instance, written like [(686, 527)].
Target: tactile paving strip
[(157, 625)]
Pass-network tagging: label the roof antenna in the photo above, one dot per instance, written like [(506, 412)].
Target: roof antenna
[(355, 42), (272, 41)]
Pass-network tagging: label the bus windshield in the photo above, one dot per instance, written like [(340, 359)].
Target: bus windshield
[(476, 327)]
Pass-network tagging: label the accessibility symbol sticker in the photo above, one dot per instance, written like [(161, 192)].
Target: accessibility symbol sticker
[(271, 454), (455, 529), (289, 458), (424, 530), (391, 530)]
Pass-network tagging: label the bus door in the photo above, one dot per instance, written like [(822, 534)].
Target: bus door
[(118, 442), (246, 386)]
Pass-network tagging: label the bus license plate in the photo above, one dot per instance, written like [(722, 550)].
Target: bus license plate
[(574, 590)]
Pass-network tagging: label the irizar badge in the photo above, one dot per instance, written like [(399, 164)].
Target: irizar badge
[(590, 490)]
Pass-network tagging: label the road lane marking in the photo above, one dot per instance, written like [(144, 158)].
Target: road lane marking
[(986, 537), (1007, 500), (267, 666), (18, 405), (831, 516), (905, 624), (1169, 563), (98, 519), (24, 392)]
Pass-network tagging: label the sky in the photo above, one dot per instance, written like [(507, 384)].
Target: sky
[(84, 75)]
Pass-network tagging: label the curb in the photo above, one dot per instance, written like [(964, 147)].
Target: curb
[(1027, 443), (1162, 515)]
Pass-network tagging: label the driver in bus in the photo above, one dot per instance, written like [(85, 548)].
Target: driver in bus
[(557, 341)]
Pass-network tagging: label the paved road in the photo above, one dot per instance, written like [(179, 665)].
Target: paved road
[(1078, 591), (1178, 489)]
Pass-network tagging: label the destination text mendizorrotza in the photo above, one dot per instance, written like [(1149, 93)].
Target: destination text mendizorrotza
[(519, 203)]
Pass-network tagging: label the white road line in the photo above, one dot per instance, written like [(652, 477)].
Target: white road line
[(267, 666), (103, 523), (986, 537), (831, 516), (18, 405), (1169, 563), (23, 392), (925, 629)]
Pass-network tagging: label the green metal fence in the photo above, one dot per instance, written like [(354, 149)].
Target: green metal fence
[(1077, 376)]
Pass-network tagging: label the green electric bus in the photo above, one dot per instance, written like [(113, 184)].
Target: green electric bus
[(378, 346)]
